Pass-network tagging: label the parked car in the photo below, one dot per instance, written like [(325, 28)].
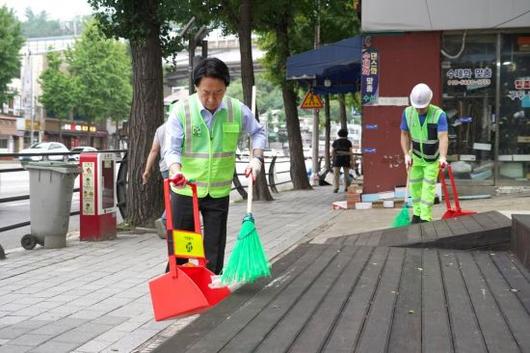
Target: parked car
[(44, 147), (80, 149)]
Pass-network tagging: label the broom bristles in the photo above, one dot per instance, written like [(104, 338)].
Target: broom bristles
[(248, 261), (402, 218)]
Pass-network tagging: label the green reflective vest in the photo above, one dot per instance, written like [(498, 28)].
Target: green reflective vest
[(424, 137), (208, 155)]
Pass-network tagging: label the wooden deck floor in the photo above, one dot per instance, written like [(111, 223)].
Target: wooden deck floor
[(352, 297)]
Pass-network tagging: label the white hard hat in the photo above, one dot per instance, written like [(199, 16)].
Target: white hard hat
[(420, 96)]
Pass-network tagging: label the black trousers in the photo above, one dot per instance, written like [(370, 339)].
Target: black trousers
[(214, 213)]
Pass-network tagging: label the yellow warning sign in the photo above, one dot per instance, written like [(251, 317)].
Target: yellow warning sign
[(188, 244), (311, 101)]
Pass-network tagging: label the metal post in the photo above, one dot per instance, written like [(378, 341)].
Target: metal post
[(314, 177), (191, 51), (497, 111)]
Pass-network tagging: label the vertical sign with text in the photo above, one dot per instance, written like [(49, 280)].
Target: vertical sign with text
[(369, 76)]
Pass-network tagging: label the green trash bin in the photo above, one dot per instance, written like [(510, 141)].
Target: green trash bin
[(50, 192)]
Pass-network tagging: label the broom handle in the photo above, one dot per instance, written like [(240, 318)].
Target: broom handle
[(249, 192), (405, 200), (251, 175)]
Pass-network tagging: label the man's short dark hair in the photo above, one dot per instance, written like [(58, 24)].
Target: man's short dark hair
[(211, 67), (343, 133)]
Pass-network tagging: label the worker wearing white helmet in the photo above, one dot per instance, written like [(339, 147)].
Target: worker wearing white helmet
[(424, 143)]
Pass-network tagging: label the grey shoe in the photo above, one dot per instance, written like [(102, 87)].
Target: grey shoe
[(160, 228)]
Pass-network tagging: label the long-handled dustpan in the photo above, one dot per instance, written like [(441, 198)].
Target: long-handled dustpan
[(450, 211), (185, 289)]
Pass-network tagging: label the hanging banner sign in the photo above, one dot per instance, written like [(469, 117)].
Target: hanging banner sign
[(369, 76), (311, 101)]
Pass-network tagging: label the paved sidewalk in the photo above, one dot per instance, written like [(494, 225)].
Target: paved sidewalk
[(93, 297)]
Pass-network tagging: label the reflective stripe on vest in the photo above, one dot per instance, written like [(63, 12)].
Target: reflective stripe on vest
[(208, 155), (423, 147)]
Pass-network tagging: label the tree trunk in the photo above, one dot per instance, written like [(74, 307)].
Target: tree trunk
[(327, 133), (342, 110), (144, 202), (261, 190), (298, 169)]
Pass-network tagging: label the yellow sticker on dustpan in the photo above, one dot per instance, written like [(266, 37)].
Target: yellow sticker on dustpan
[(188, 244)]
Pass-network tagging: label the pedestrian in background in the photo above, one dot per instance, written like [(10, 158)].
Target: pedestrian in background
[(157, 149), (341, 152), (202, 134), (424, 143)]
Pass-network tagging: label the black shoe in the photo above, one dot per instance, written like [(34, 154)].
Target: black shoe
[(336, 191), (423, 221), (415, 219)]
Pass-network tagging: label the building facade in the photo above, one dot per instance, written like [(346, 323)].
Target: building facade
[(479, 70)]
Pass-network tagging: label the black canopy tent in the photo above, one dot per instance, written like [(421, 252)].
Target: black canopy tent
[(333, 68)]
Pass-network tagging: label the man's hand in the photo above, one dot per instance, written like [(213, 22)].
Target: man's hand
[(408, 161), (176, 174), (254, 167), (145, 177), (443, 162)]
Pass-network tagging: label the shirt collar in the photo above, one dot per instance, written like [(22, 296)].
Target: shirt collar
[(203, 109)]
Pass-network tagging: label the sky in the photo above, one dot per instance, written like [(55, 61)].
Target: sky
[(56, 9)]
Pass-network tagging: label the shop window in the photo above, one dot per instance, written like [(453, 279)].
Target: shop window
[(3, 144), (468, 76), (514, 122)]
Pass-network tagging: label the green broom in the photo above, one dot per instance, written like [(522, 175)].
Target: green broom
[(248, 261), (403, 217)]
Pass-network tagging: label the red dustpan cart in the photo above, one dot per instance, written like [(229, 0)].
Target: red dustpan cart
[(451, 212), (185, 289)]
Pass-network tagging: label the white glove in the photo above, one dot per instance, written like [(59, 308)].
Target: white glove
[(408, 161), (443, 162), (253, 166)]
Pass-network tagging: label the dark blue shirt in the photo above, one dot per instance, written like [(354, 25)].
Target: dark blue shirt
[(442, 122)]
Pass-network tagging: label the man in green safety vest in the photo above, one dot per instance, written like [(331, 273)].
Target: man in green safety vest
[(202, 134), (424, 143)]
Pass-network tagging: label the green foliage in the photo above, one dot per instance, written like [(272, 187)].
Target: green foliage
[(11, 41), (59, 92), (135, 20), (101, 68), (269, 96), (38, 25)]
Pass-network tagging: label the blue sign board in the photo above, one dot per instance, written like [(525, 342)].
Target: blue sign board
[(369, 150), (371, 126)]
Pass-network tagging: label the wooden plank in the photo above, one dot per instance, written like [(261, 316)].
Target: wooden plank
[(520, 238), (471, 224), (413, 233), (428, 233), (500, 219), (286, 330), (515, 261), (313, 335), (455, 226), (209, 333), (514, 277), (375, 238), (436, 331), (484, 219), (363, 238), (494, 329), (467, 337), (335, 240), (394, 236), (442, 229), (351, 239), (514, 313), (405, 336), (374, 337), (345, 333), (262, 323)]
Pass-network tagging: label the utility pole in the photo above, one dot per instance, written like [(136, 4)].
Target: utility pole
[(315, 177)]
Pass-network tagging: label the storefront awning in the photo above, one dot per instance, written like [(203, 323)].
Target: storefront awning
[(335, 67)]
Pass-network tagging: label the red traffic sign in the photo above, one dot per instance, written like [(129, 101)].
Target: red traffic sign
[(311, 101)]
